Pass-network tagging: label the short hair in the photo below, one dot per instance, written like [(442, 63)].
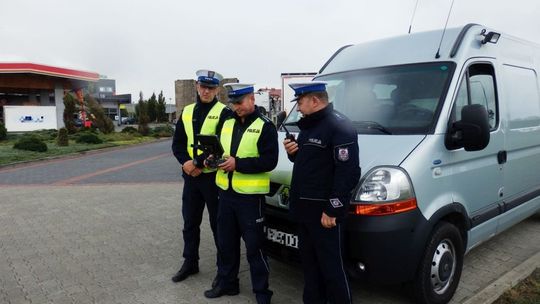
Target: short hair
[(323, 95)]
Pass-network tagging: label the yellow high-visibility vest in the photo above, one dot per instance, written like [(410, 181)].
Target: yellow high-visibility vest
[(208, 127), (257, 183)]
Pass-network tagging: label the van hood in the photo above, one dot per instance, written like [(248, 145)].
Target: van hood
[(390, 150), (375, 150)]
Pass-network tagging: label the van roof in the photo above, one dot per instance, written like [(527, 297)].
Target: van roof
[(458, 44)]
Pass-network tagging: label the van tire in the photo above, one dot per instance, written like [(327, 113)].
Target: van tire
[(439, 270)]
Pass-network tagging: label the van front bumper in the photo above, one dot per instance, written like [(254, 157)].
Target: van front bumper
[(385, 249), (389, 247)]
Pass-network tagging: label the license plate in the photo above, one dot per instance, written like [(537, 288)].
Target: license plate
[(280, 237)]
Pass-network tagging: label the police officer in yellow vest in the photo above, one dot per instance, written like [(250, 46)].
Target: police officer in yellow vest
[(249, 140), (202, 117)]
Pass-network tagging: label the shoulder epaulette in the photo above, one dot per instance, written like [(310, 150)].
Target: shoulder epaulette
[(339, 116), (265, 118)]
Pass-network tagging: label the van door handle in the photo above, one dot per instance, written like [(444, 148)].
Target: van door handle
[(501, 157)]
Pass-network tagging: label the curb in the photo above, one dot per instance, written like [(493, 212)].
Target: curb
[(494, 291), (26, 163)]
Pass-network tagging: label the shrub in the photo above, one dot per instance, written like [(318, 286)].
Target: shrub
[(129, 130), (45, 134), (120, 136), (163, 131), (30, 143), (92, 129), (62, 139), (89, 138), (3, 132), (144, 129)]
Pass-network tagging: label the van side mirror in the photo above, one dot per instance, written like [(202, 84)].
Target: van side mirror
[(471, 132), (280, 117)]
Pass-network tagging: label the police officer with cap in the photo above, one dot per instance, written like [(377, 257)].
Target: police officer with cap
[(204, 116), (326, 169), (249, 140)]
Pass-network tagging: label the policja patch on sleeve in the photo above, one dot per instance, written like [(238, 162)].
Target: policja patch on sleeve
[(343, 154)]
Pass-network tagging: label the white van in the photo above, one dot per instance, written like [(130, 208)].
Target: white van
[(449, 134)]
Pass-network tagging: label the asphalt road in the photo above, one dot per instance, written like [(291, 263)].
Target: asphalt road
[(105, 227)]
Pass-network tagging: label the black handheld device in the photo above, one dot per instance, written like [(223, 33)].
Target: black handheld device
[(288, 135), (211, 145)]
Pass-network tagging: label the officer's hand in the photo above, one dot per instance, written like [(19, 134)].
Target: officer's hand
[(188, 167), (228, 165), (196, 172), (327, 221), (290, 146)]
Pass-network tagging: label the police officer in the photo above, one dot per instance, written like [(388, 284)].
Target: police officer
[(249, 140), (326, 169), (202, 117)]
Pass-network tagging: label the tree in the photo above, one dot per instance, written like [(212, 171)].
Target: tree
[(161, 108), (142, 116), (62, 139), (137, 105), (70, 109), (98, 117), (3, 131), (152, 108)]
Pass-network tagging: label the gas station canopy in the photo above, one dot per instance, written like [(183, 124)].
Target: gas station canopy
[(23, 77)]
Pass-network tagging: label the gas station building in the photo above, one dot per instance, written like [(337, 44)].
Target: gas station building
[(38, 85), (30, 84)]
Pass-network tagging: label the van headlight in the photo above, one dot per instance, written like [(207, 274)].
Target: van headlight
[(384, 191)]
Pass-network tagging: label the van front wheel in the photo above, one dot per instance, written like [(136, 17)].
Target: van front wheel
[(440, 268)]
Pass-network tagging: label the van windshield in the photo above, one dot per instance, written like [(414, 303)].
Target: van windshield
[(402, 99)]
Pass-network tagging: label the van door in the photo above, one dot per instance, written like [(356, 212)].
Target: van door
[(477, 177), (522, 170)]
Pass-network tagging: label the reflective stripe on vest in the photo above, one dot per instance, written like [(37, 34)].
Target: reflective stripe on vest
[(208, 127), (258, 183)]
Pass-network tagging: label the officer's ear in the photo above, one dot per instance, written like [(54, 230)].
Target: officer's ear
[(316, 100)]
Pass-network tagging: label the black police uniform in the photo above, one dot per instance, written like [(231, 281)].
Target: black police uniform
[(326, 169), (197, 190), (241, 215)]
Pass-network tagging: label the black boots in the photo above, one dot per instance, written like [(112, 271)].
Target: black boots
[(219, 291), (215, 281), (184, 272)]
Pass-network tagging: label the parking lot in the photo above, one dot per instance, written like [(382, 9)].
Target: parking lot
[(106, 228)]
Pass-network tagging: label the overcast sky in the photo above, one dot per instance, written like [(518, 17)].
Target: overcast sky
[(147, 45)]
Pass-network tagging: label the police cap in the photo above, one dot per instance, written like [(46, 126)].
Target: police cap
[(208, 78), (307, 87), (236, 91)]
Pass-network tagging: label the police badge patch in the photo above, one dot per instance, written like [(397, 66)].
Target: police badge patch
[(336, 203), (343, 154)]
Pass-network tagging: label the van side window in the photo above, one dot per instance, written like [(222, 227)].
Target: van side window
[(478, 87)]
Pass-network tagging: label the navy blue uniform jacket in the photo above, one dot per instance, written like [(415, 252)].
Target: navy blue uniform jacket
[(326, 166)]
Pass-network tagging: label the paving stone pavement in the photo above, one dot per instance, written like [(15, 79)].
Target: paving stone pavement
[(122, 243), (117, 242)]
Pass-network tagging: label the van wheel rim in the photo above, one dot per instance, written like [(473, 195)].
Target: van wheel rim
[(443, 266)]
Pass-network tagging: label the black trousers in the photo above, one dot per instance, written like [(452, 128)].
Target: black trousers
[(198, 192), (325, 280), (242, 217)]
